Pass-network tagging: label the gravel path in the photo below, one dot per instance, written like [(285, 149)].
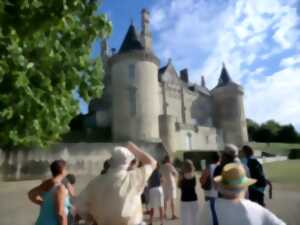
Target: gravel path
[(15, 208)]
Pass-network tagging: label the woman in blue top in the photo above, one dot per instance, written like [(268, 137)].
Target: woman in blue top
[(52, 196)]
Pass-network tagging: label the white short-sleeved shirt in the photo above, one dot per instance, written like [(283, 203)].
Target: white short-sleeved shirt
[(115, 198), (244, 212)]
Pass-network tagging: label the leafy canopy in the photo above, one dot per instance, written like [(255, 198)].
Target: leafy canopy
[(44, 61), (272, 131)]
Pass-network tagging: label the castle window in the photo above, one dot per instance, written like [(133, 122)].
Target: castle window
[(132, 101), (131, 73), (189, 141), (207, 139)]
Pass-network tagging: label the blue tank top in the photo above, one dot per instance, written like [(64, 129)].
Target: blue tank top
[(48, 213)]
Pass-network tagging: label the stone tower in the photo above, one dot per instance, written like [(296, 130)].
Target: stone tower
[(135, 89), (229, 115)]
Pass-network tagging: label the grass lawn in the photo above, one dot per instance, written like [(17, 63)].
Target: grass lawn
[(275, 148), (286, 173)]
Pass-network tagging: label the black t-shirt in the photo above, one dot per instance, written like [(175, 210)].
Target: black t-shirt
[(218, 170), (154, 180), (257, 172), (188, 190)]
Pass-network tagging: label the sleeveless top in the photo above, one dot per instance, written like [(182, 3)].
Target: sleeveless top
[(48, 213), (188, 190), (154, 180)]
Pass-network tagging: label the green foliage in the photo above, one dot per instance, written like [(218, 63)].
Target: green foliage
[(272, 126), (287, 134), (272, 131), (264, 134), (45, 60), (252, 129)]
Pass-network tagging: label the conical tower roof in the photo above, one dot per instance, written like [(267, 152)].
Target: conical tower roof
[(224, 77), (131, 41)]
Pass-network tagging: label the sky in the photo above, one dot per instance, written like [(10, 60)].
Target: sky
[(258, 40)]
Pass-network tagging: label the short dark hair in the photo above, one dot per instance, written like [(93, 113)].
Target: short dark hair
[(215, 157), (71, 178), (57, 167), (248, 151)]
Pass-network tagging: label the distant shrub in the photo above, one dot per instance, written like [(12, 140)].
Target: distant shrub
[(294, 154)]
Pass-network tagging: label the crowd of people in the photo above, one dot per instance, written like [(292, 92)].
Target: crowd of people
[(233, 184)]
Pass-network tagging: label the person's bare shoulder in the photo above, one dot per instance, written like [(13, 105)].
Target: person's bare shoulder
[(46, 185)]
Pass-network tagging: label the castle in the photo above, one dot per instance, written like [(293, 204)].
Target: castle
[(145, 102)]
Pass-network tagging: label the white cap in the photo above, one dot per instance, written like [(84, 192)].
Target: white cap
[(121, 157)]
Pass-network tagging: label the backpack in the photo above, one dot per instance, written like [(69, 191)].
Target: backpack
[(208, 184)]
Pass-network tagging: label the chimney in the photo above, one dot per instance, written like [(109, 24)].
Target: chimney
[(203, 83), (105, 51), (184, 76), (146, 37)]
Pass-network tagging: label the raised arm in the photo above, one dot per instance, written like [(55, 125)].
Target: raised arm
[(173, 170), (141, 156), (35, 194)]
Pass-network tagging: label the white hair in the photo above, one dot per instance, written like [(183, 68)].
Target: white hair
[(232, 193)]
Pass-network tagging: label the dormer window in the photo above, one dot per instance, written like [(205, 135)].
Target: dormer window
[(131, 73)]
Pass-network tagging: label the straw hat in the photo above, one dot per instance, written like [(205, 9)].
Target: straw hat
[(234, 177)]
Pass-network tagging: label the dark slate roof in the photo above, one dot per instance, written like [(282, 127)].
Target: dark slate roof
[(131, 41), (224, 77), (162, 69), (198, 88)]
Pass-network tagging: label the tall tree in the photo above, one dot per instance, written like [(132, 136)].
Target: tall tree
[(44, 61), (273, 127), (287, 134), (252, 129), (264, 134)]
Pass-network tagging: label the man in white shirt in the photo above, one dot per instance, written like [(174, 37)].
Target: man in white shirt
[(115, 197), (233, 208)]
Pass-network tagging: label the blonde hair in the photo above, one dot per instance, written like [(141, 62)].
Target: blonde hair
[(188, 166)]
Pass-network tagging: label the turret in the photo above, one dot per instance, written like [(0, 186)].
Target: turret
[(135, 91), (146, 37), (203, 83), (105, 52), (229, 113)]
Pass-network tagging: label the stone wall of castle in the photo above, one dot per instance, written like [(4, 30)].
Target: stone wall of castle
[(183, 104), (197, 138), (82, 158), (229, 114), (186, 137), (135, 100)]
